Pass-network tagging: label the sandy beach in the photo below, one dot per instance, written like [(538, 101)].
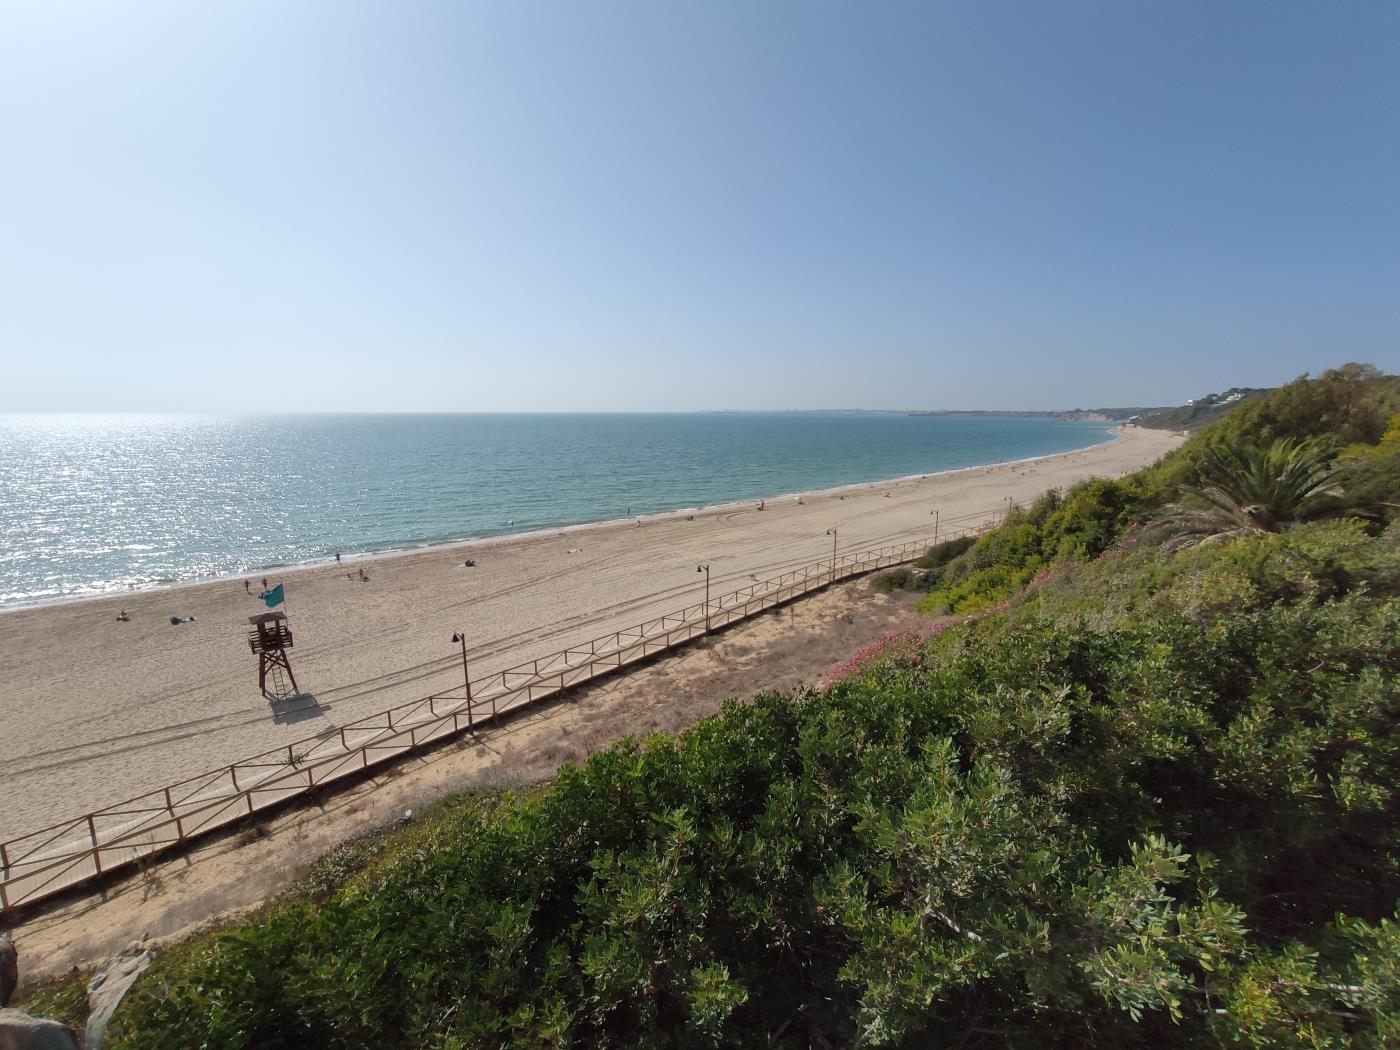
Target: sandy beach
[(93, 711)]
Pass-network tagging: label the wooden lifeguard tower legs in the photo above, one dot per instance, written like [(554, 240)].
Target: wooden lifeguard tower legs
[(272, 665)]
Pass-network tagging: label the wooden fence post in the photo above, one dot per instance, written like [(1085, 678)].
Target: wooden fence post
[(96, 853), (179, 821)]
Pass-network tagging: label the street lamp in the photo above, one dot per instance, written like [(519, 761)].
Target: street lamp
[(935, 526), (832, 533), (459, 637), (1010, 503), (706, 570)]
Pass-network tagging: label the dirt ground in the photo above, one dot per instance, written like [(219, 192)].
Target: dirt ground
[(229, 875)]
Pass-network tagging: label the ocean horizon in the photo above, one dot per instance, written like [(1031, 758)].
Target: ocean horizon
[(103, 504)]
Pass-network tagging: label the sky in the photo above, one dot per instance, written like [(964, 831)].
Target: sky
[(568, 206)]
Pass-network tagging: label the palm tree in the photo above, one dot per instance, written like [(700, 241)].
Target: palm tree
[(1252, 488)]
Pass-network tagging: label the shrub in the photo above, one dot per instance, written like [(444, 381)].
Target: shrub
[(941, 554), (896, 580), (1079, 525), (1148, 801), (1062, 832)]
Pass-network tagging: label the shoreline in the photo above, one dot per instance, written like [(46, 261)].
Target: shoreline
[(98, 709), (485, 542)]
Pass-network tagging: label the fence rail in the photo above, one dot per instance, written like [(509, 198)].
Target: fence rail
[(65, 855)]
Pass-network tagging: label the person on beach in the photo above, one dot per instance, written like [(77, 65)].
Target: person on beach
[(247, 587), (122, 617), (264, 583), (337, 557)]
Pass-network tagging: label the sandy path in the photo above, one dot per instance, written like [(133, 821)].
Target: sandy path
[(93, 711)]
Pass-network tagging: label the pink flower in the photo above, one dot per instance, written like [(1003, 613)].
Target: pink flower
[(1132, 535), (905, 647)]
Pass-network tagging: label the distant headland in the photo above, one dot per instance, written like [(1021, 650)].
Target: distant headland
[(1191, 416)]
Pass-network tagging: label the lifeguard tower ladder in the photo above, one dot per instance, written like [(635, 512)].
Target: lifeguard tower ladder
[(270, 638)]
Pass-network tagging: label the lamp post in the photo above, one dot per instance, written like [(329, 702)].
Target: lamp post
[(934, 512), (1010, 503), (459, 637), (832, 533), (706, 570)]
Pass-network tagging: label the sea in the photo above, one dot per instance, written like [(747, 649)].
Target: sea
[(94, 505)]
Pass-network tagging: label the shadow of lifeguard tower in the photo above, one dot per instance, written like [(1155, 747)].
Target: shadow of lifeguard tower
[(270, 638)]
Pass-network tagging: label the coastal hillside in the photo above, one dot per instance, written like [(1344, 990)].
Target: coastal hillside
[(1075, 414), (1195, 414), (1191, 416), (1134, 785)]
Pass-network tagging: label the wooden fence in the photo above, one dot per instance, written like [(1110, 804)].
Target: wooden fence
[(65, 855)]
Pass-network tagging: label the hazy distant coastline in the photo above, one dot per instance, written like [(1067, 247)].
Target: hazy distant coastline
[(1191, 416), (1085, 415)]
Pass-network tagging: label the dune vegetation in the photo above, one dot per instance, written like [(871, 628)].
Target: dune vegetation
[(1136, 785)]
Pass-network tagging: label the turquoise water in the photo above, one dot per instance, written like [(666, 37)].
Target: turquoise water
[(99, 504)]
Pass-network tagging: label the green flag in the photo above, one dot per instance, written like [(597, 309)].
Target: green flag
[(273, 597)]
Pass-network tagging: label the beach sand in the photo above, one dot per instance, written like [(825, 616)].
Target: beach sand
[(94, 711), (223, 876)]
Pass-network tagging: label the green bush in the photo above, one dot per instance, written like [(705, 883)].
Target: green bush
[(1078, 525), (1370, 477), (940, 554), (1152, 802), (897, 580), (1349, 405), (1044, 831)]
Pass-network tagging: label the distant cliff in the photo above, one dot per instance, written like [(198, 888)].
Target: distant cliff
[(1195, 414), (1093, 415), (1191, 416)]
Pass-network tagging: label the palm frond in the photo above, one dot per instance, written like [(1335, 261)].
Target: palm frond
[(1250, 488)]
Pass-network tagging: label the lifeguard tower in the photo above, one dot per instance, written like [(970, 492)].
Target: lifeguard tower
[(270, 638)]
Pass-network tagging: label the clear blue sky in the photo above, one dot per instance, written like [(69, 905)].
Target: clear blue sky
[(655, 205)]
